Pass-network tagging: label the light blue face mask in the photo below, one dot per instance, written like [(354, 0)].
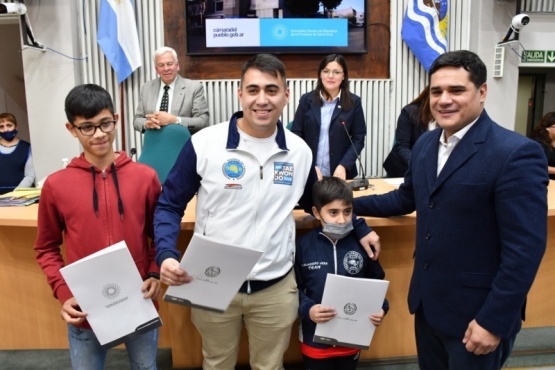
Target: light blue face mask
[(337, 231), (8, 135)]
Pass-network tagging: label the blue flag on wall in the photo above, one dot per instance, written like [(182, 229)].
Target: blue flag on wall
[(425, 29), (117, 36)]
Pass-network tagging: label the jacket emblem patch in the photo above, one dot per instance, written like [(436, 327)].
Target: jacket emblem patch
[(352, 262), (283, 173), (233, 169)]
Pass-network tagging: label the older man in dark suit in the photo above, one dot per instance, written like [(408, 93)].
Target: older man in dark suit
[(480, 193), (170, 99)]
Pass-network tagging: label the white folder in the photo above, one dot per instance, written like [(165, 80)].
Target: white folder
[(107, 286), (354, 299), (218, 271)]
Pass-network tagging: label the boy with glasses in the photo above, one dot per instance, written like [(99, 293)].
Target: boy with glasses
[(101, 198)]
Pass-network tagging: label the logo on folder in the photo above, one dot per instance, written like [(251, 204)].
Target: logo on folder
[(350, 308), (111, 291), (212, 271)]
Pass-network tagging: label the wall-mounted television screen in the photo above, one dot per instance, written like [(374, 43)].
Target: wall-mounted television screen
[(276, 26)]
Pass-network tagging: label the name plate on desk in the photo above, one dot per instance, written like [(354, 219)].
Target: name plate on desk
[(218, 271)]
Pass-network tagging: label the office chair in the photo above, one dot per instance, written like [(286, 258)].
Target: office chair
[(161, 148)]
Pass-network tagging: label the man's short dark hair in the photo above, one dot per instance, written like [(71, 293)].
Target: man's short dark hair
[(330, 189), (465, 59), (266, 63), (87, 101)]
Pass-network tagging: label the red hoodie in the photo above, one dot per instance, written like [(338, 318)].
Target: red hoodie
[(87, 210)]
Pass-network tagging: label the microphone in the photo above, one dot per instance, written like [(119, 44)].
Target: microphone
[(355, 184)]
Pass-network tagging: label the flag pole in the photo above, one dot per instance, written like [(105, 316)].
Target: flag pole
[(122, 115), (117, 18)]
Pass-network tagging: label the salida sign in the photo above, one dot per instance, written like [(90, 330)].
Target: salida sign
[(538, 56)]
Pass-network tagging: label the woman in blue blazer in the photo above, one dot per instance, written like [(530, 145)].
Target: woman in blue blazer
[(331, 121)]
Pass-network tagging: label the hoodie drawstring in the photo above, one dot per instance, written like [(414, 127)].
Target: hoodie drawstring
[(120, 203), (95, 195)]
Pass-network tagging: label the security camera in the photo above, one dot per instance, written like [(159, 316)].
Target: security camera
[(12, 8), (519, 21)]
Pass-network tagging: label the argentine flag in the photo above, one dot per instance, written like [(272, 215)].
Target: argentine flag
[(118, 38), (425, 29)]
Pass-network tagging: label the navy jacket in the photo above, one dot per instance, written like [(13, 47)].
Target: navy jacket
[(408, 130), (481, 227), (13, 167), (307, 124), (315, 257), (550, 155)]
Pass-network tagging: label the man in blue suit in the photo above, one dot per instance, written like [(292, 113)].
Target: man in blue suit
[(480, 193)]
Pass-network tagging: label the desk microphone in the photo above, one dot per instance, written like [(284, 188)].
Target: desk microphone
[(355, 184)]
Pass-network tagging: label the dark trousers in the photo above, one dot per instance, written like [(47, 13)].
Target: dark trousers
[(332, 363), (440, 352)]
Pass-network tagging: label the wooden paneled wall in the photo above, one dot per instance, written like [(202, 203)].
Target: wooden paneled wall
[(374, 64)]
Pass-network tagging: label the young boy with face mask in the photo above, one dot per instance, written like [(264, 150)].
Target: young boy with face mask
[(331, 248)]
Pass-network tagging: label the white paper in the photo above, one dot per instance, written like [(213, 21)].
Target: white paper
[(354, 299), (218, 271), (397, 181), (107, 286)]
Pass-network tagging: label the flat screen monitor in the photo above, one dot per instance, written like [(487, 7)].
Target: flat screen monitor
[(216, 27)]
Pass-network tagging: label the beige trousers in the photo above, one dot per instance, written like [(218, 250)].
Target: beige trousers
[(268, 316)]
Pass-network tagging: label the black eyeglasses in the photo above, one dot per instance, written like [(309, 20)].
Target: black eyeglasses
[(90, 130)]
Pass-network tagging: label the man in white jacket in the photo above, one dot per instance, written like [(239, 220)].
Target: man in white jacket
[(248, 173)]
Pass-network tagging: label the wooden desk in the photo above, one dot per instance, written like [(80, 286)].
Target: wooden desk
[(30, 315)]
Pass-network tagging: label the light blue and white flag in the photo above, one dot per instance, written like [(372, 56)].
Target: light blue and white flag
[(118, 38), (425, 29)]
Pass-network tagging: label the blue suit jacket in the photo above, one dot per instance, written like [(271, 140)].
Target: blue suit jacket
[(481, 227), (188, 102), (307, 124)]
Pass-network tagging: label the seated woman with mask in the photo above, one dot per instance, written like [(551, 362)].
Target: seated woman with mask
[(16, 162)]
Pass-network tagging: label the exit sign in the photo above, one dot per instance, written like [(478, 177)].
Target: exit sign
[(533, 56)]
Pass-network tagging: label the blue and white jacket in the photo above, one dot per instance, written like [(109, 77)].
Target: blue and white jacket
[(316, 256), (240, 201)]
